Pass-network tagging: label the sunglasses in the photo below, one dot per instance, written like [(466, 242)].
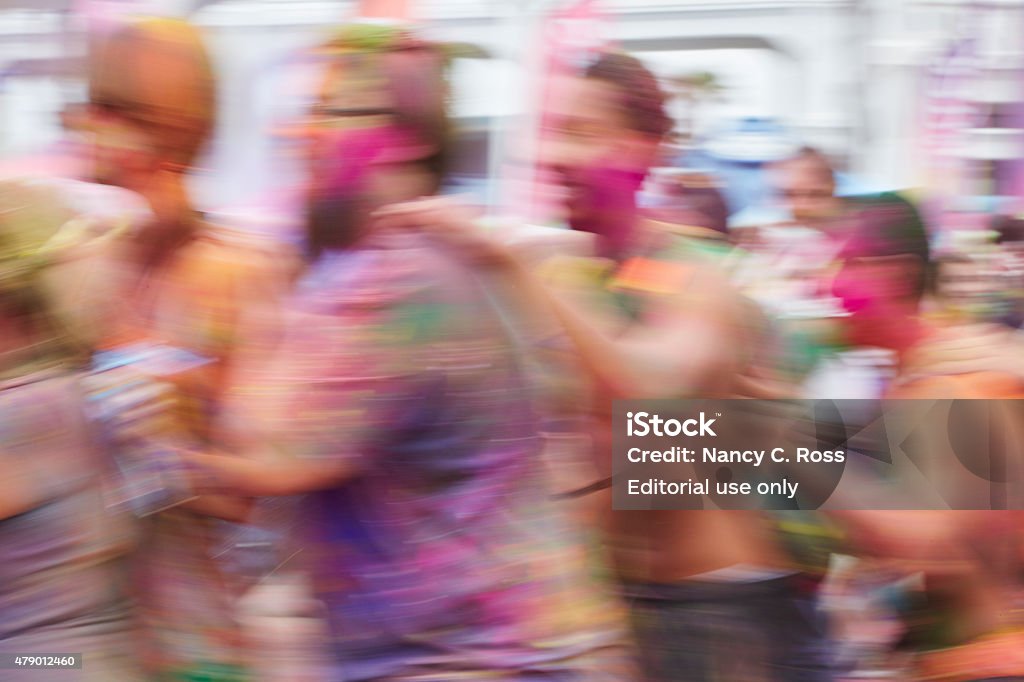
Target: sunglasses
[(128, 112)]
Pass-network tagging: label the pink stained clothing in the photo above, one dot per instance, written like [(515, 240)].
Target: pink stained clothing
[(444, 554)]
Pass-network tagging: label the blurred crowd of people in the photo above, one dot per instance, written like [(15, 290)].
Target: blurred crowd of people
[(399, 434)]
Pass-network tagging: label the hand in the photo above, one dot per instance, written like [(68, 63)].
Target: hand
[(246, 477), (131, 406), (453, 224)]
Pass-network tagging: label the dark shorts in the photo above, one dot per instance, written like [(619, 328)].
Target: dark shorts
[(767, 631), (612, 663)]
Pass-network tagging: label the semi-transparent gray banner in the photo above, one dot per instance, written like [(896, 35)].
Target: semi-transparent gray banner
[(818, 454)]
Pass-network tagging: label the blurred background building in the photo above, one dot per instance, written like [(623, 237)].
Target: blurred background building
[(901, 93)]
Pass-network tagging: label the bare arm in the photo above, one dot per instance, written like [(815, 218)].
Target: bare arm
[(17, 487), (683, 345), (226, 507), (262, 478)]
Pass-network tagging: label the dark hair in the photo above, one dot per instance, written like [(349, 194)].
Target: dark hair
[(331, 224), (693, 205), (889, 225), (642, 96), (709, 203), (1008, 229), (419, 86)]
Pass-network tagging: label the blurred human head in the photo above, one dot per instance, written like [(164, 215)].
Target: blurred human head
[(604, 129), (1009, 230), (806, 184), (883, 275), (377, 132), (42, 322), (152, 101), (694, 205), (965, 286)]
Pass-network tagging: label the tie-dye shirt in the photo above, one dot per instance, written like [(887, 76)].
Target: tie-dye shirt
[(442, 553)]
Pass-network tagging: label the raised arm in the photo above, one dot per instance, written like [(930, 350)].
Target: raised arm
[(684, 344)]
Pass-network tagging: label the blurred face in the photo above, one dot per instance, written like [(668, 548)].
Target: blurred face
[(877, 292), (591, 155), (806, 191), (962, 284), (152, 101), (353, 143), (351, 99), (120, 150), (359, 158)]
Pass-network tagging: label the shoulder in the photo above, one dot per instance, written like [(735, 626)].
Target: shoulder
[(406, 296), (388, 272), (239, 244), (222, 255)]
